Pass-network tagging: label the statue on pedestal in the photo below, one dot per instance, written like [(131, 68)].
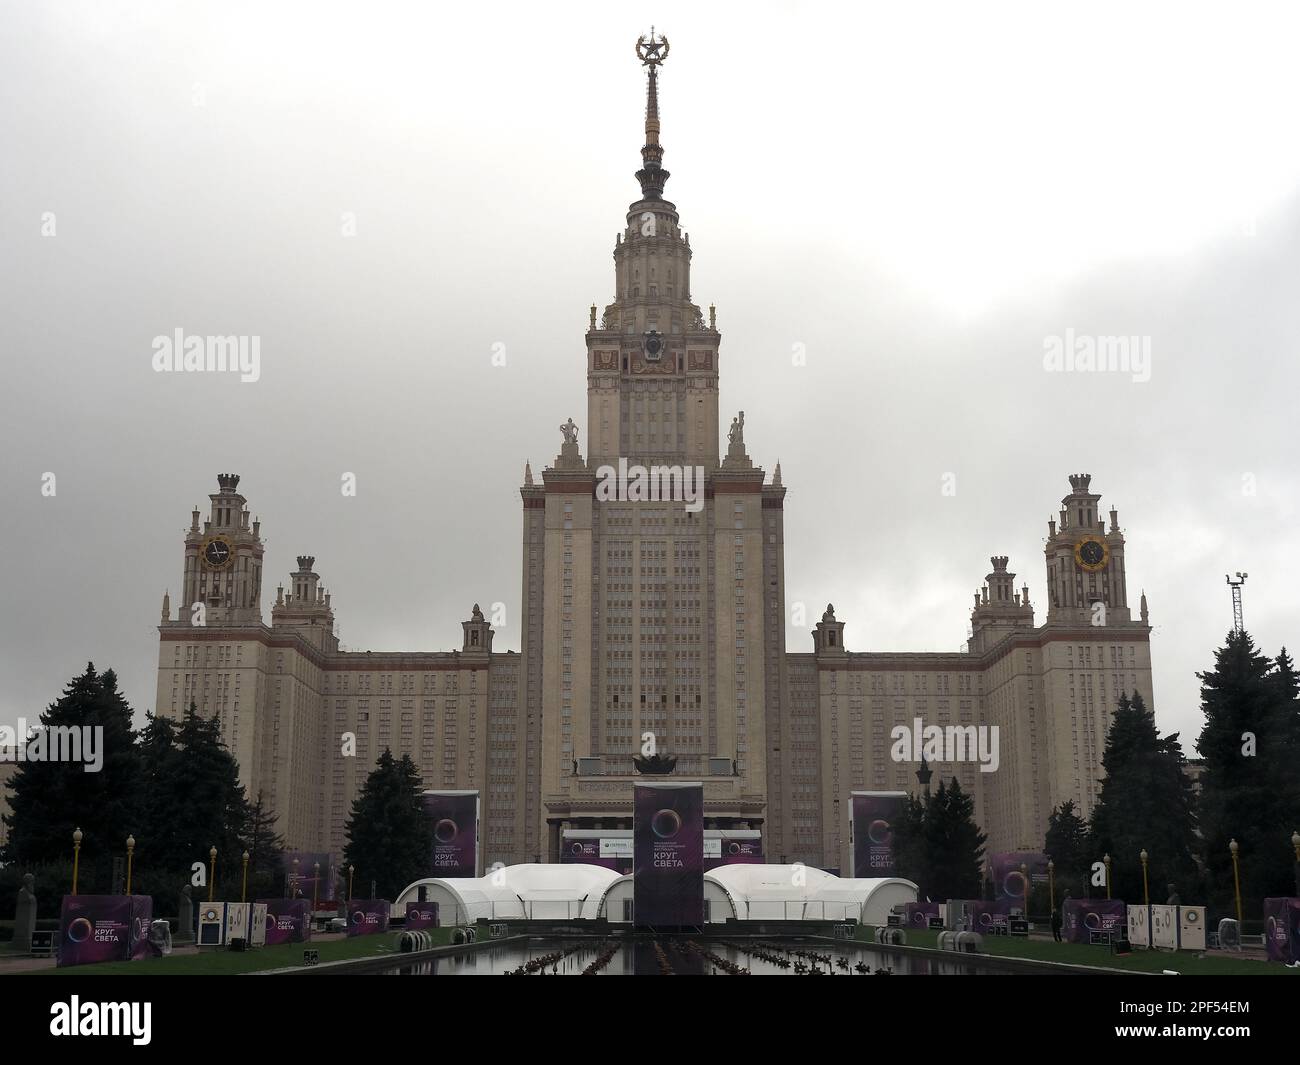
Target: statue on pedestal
[(185, 917), (25, 915)]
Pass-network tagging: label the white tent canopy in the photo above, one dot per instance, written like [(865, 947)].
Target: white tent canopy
[(779, 893), (514, 892), (570, 891)]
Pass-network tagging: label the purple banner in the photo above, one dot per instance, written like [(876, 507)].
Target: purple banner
[(303, 879), (287, 921), (1008, 880), (1282, 930), (368, 917), (453, 816), (587, 852), (1081, 917), (734, 852), (874, 815), (421, 915), (668, 843), (95, 928)]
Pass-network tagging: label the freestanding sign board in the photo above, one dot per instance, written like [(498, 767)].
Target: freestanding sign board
[(1086, 916), (668, 843), (95, 928), (1282, 929), (368, 917), (1191, 927), (1139, 925), (453, 816), (1164, 927), (874, 815), (421, 915), (287, 921)]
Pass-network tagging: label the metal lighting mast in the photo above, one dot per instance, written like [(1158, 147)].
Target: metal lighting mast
[(1236, 599)]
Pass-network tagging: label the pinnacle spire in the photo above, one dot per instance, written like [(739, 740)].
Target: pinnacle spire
[(652, 51)]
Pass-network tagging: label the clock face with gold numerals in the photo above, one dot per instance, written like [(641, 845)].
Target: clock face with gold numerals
[(1092, 553), (216, 553)]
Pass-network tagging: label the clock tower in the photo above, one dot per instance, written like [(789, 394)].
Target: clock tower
[(1085, 561), (223, 560)]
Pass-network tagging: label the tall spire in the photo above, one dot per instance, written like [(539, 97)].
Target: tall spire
[(652, 51)]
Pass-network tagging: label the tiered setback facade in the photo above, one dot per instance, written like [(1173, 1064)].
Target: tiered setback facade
[(655, 617)]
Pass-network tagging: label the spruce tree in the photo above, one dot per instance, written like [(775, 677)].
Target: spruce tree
[(49, 800), (1145, 803), (1250, 790), (938, 845), (389, 838), (195, 802), (954, 843), (1066, 844)]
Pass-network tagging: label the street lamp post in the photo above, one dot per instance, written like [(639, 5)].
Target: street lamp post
[(315, 887), (1146, 894), (1024, 875), (351, 869), (293, 884), (243, 891), (76, 858), (1106, 859), (212, 872), (1236, 879), (1051, 885), (130, 854)]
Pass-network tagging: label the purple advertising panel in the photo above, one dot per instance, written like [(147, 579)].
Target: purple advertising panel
[(1282, 930), (1008, 880), (874, 815), (141, 919), (368, 917), (918, 914), (311, 877), (1082, 917), (287, 921), (453, 816), (95, 928), (421, 915), (668, 843)]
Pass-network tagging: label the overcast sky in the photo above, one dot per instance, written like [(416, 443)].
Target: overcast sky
[(916, 196)]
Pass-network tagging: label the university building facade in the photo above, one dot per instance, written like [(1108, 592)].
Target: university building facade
[(654, 617)]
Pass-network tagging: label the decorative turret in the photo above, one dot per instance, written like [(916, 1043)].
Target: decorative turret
[(999, 609), (828, 637), (478, 633), (306, 609)]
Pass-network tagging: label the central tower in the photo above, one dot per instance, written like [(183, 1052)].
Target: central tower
[(648, 622), (652, 363)]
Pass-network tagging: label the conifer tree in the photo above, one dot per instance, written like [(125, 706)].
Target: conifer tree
[(1146, 803), (389, 838), (1250, 788), (49, 800)]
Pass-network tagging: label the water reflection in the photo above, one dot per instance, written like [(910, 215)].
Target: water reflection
[(688, 956)]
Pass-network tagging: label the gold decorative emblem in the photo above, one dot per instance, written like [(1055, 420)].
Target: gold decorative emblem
[(216, 553)]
